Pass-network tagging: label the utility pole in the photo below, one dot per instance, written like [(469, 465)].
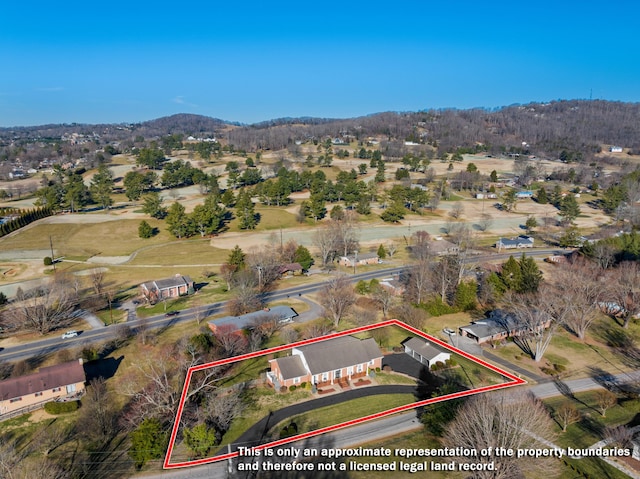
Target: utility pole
[(53, 259)]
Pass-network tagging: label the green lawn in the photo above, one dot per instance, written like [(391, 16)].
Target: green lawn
[(354, 409), (591, 429)]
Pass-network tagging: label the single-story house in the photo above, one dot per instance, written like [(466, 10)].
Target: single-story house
[(281, 314), (393, 285), (615, 149), (173, 287), (497, 326), (482, 196), (337, 360), (524, 194), (521, 241), (442, 247), (290, 269), (361, 259), (52, 383), (423, 352)]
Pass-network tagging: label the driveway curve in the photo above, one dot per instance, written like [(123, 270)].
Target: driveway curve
[(257, 433)]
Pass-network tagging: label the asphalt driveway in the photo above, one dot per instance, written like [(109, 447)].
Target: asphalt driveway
[(258, 433)]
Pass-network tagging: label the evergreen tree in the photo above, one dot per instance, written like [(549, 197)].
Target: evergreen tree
[(530, 275), (237, 257), (303, 256), (511, 274), (145, 230), (148, 441), (542, 196), (245, 212), (569, 209), (178, 222), (152, 206), (465, 296), (102, 186), (382, 252), (493, 176)]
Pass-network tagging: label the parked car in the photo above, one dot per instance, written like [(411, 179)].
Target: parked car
[(172, 313), (449, 331), (70, 334)]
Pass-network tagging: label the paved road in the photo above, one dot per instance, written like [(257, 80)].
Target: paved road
[(36, 348), (374, 431)]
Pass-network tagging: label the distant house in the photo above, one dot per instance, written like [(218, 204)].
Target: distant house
[(393, 285), (524, 194), (423, 352), (160, 289), (281, 314), (521, 241), (497, 326), (361, 259), (615, 149), (482, 196), (290, 269), (53, 383), (442, 247), (337, 360)]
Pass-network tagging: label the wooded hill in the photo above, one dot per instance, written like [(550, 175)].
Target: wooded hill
[(578, 128)]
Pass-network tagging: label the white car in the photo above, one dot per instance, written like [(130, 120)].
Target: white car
[(70, 334)]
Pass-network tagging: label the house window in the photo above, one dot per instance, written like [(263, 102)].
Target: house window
[(350, 370), (325, 377), (360, 368), (71, 388), (15, 400), (55, 390), (371, 363), (296, 380)]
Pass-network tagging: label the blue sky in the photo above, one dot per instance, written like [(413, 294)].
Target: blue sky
[(104, 62)]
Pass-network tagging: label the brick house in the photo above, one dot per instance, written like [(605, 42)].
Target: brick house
[(498, 326), (338, 360), (173, 287), (360, 260), (52, 383)]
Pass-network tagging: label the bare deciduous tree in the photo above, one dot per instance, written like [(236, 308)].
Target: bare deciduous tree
[(533, 312), (567, 414), (512, 421), (97, 280), (336, 297), (579, 286), (605, 400), (47, 308), (624, 288)]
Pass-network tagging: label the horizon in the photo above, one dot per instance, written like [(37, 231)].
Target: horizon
[(302, 117), (260, 62)]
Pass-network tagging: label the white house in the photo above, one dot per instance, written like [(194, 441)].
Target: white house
[(425, 353)]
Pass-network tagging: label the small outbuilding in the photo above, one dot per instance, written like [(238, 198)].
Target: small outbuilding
[(423, 352)]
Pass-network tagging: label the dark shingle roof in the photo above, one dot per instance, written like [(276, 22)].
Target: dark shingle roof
[(291, 367), (46, 378), (339, 353), (423, 348), (279, 313), (177, 280)]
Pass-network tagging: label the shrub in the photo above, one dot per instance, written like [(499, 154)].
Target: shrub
[(89, 354), (293, 387), (303, 385), (377, 370), (437, 307), (48, 261), (54, 407), (283, 389), (559, 367)]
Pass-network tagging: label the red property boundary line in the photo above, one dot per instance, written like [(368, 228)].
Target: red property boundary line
[(513, 381)]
